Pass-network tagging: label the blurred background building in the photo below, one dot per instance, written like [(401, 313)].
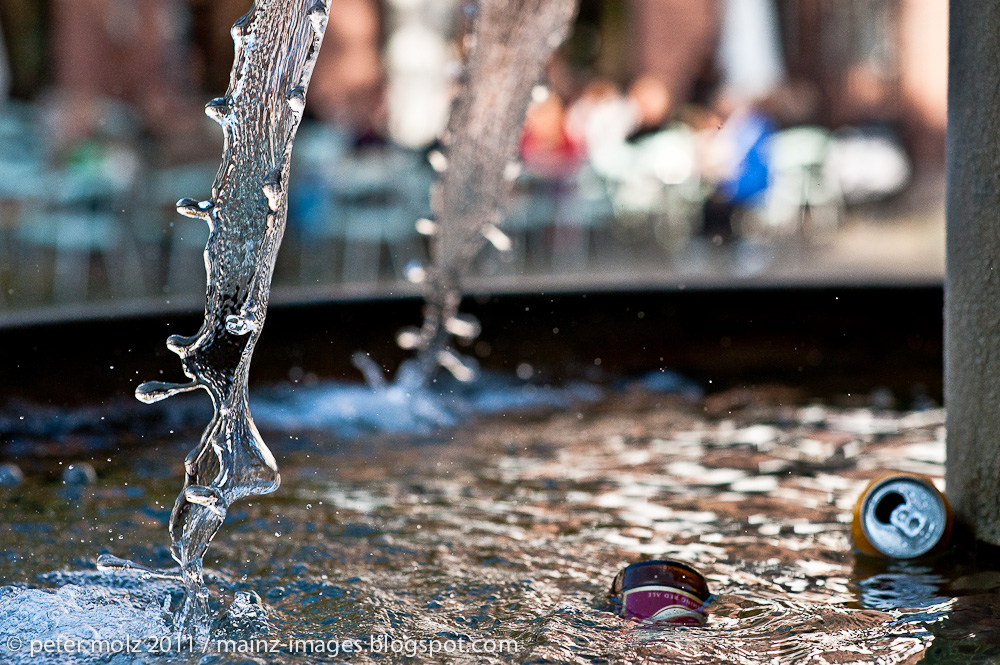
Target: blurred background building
[(674, 143)]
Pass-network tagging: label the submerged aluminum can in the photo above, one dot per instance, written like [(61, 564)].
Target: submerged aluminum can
[(661, 592), (901, 516)]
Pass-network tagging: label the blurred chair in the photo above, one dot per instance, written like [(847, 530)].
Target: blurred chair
[(584, 210), (181, 240), (869, 163), (530, 213), (79, 220), (380, 199), (315, 223), (803, 196), (22, 185), (350, 207), (670, 155), (654, 185)]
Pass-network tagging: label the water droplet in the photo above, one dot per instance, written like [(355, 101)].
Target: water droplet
[(79, 473), (154, 391), (497, 238), (464, 326), (202, 495), (239, 29), (415, 273), (195, 209), (460, 367), (272, 189), (426, 227), (437, 161), (210, 497), (297, 100), (10, 475), (180, 344), (409, 338), (219, 109), (369, 368), (112, 564), (511, 171)]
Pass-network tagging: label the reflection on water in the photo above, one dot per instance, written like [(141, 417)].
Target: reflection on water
[(902, 585), (514, 529)]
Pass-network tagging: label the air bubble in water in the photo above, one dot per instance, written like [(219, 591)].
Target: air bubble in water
[(240, 325)]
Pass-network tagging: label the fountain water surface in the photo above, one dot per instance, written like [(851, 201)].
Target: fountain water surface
[(276, 47), (506, 535)]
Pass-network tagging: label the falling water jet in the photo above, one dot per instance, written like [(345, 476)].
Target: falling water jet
[(506, 50), (276, 44)]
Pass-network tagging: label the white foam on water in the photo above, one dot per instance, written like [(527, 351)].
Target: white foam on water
[(350, 408), (97, 621)]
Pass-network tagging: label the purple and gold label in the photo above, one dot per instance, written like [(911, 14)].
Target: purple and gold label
[(663, 604)]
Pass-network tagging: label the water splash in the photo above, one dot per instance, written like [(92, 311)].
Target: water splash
[(506, 50), (276, 44)]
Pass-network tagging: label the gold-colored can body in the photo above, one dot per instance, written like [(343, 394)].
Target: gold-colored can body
[(901, 516)]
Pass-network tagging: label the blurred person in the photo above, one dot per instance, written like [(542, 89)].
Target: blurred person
[(652, 103), (803, 197), (603, 120), (552, 158), (547, 148), (749, 55), (868, 158), (673, 42), (419, 90), (737, 155), (794, 102), (602, 115), (600, 122), (128, 50), (347, 87), (736, 162)]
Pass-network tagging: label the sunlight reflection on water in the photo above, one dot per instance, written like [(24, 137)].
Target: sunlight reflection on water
[(514, 528)]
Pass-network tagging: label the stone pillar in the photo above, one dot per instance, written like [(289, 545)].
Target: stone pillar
[(972, 289)]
